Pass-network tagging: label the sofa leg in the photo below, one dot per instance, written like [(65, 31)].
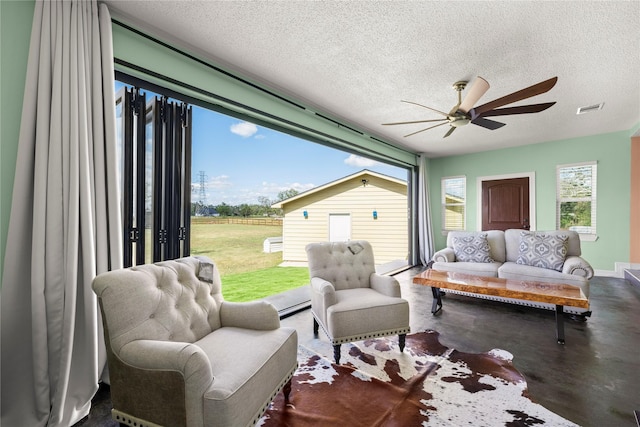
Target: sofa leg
[(316, 327), (287, 390), (336, 353), (401, 341)]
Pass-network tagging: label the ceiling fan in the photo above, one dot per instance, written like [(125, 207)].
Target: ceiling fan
[(464, 111)]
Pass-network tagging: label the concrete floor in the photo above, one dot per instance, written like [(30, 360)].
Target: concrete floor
[(592, 380)]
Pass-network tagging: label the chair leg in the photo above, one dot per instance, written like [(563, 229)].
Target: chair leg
[(315, 327), (401, 339), (336, 353), (287, 390)]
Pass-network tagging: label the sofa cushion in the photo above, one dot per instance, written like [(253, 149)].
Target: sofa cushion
[(512, 242), (473, 247), (484, 269), (495, 238), (513, 271), (542, 250)]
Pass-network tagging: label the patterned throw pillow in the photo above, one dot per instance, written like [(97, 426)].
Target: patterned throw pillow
[(542, 250), (472, 248)]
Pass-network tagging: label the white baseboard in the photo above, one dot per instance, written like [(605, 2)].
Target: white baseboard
[(608, 273), (620, 268)]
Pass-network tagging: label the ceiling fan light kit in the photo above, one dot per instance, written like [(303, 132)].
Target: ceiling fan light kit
[(464, 111)]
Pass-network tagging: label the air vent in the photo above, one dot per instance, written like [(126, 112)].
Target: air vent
[(590, 108)]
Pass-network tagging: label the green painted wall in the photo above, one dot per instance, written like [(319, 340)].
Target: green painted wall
[(15, 31), (611, 151)]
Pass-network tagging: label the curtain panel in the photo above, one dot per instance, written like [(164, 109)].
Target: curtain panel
[(425, 226), (65, 219)]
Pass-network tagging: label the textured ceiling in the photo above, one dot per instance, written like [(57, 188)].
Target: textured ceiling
[(356, 60)]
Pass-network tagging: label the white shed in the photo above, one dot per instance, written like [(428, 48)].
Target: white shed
[(366, 205)]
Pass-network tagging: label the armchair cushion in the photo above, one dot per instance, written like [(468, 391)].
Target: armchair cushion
[(244, 376), (359, 312)]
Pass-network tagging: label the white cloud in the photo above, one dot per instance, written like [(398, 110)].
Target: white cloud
[(274, 188), (359, 162), (221, 181), (244, 129)]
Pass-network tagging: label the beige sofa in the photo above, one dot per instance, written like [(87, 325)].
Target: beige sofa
[(543, 256)]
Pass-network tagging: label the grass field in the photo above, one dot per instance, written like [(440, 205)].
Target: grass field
[(247, 272)]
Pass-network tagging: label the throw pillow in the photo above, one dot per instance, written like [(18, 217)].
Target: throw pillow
[(472, 248), (542, 250)]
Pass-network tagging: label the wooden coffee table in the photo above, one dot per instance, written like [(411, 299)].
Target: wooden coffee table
[(553, 293)]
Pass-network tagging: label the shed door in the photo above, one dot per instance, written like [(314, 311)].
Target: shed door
[(339, 227)]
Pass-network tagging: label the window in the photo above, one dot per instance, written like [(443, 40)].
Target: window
[(199, 180), (155, 148), (453, 203), (576, 198)]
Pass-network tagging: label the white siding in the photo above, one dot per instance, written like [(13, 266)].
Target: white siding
[(388, 234)]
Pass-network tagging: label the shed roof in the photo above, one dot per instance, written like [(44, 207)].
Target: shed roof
[(358, 175)]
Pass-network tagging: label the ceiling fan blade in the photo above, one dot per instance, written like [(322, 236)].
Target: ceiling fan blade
[(449, 132), (480, 87), (523, 109), (487, 124), (416, 121), (536, 89), (426, 129), (428, 108)]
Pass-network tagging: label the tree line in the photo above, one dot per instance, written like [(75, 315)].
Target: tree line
[(262, 208)]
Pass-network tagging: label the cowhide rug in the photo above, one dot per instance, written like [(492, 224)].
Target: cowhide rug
[(427, 385)]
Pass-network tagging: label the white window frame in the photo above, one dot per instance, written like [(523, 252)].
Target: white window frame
[(591, 234), (444, 204)]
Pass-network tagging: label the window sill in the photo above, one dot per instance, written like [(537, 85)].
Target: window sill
[(588, 237)]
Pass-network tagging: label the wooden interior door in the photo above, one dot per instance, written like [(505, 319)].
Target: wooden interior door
[(505, 204)]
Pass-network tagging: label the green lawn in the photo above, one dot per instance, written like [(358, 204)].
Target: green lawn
[(247, 272), (261, 283)]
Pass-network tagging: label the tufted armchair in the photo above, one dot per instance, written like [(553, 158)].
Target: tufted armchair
[(179, 355), (349, 300)]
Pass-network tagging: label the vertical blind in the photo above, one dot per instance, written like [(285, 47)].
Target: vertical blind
[(453, 203)]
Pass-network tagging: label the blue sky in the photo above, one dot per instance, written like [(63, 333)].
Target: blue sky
[(243, 162)]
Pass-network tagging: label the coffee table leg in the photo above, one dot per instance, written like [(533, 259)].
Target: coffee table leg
[(560, 323), (437, 300)]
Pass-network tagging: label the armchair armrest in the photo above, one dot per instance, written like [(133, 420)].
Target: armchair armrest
[(323, 289), (258, 315), (387, 285), (578, 266), (188, 359), (323, 296), (444, 255), (148, 368)]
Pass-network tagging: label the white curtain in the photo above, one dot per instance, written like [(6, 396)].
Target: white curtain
[(425, 231), (65, 219)]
